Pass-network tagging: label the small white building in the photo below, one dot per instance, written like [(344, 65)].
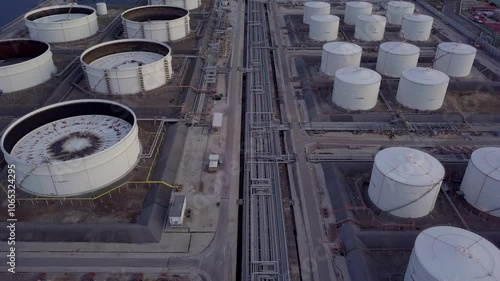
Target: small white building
[(177, 210), (217, 120), (213, 162)]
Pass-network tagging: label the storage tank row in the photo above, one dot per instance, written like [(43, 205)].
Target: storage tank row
[(370, 27), (405, 182), (123, 68), (419, 88)]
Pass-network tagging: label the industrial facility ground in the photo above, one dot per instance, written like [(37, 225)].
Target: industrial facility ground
[(324, 157), (119, 220)]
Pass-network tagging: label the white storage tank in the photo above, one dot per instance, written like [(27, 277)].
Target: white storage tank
[(422, 88), (337, 55), (62, 23), (186, 4), (324, 27), (481, 182), (127, 66), (24, 64), (445, 253), (161, 23), (396, 10), (394, 57), (72, 148), (102, 9), (370, 27), (315, 8), (416, 27), (405, 182), (455, 59), (356, 88), (354, 9)]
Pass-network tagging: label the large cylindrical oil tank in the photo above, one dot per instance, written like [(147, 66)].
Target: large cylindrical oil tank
[(315, 8), (24, 63), (445, 253), (127, 66), (455, 59), (416, 27), (396, 10), (394, 57), (405, 182), (102, 9), (186, 4), (481, 182), (324, 27), (72, 148), (161, 23), (61, 23), (356, 88), (337, 55), (370, 27), (422, 88), (354, 9)]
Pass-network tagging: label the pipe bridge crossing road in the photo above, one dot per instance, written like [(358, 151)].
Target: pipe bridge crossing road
[(264, 245)]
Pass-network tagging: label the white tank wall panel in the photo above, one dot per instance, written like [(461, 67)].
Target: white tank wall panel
[(396, 10), (416, 27), (422, 88), (315, 8), (158, 30), (481, 182), (356, 88), (324, 27), (448, 253), (186, 4), (27, 74), (60, 178), (102, 9), (405, 182), (455, 59), (337, 55), (394, 57), (62, 27), (370, 27), (354, 9)]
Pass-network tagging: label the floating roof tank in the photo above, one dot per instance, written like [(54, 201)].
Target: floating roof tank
[(405, 182), (455, 59), (448, 253), (481, 182), (63, 23), (72, 148), (356, 88), (161, 23), (396, 10), (24, 63), (127, 66), (324, 27), (422, 88), (416, 27), (186, 4), (394, 57), (370, 27), (354, 9), (337, 55), (102, 9), (315, 8)]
